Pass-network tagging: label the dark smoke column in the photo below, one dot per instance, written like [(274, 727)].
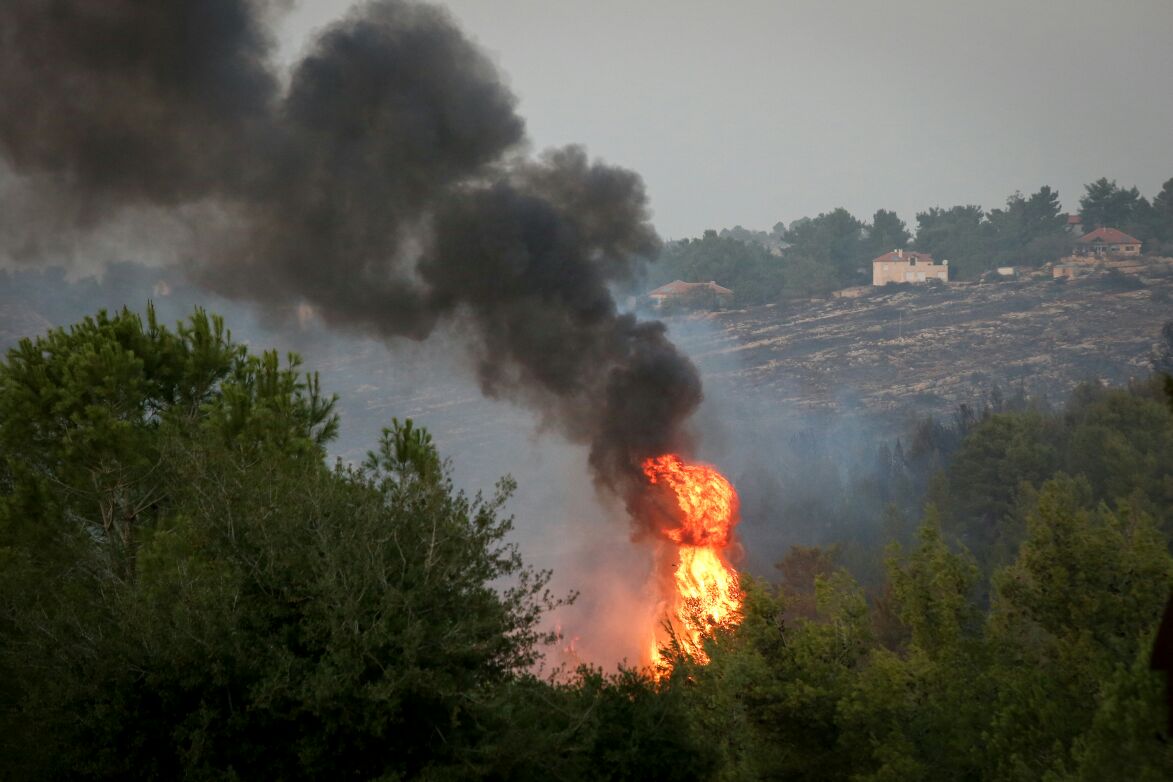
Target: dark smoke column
[(384, 186)]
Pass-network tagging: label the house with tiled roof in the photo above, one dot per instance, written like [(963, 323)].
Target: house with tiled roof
[(1107, 243), (693, 294), (907, 266)]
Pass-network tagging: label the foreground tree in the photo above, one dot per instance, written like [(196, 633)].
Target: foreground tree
[(189, 591), (1070, 628)]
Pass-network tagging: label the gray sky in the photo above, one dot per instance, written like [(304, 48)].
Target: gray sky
[(747, 112)]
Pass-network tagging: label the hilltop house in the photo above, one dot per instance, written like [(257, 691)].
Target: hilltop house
[(1107, 243), (691, 294), (907, 266)]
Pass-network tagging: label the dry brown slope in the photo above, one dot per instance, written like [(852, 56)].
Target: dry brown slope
[(929, 349)]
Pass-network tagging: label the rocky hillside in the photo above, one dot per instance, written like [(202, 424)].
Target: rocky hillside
[(927, 349)]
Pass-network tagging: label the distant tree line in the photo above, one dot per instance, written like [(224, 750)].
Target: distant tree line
[(813, 256)]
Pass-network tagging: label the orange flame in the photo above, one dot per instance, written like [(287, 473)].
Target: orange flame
[(703, 593)]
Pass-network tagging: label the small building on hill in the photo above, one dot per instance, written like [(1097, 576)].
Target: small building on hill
[(698, 295), (1107, 243), (1074, 224), (907, 266)]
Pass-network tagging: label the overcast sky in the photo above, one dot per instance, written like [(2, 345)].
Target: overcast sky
[(749, 112)]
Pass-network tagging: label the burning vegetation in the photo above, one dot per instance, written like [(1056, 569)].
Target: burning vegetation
[(699, 511)]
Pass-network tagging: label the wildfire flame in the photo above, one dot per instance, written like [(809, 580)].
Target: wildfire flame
[(703, 592)]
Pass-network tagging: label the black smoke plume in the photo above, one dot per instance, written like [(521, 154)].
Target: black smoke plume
[(384, 184)]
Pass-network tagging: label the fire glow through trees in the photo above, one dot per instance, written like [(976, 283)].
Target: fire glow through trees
[(703, 592)]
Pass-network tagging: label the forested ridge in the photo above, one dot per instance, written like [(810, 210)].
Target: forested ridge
[(190, 589), (816, 255)]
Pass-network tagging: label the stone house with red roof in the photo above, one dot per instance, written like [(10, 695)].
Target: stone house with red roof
[(1107, 243), (691, 294)]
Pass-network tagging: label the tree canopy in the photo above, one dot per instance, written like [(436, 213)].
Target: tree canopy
[(188, 589)]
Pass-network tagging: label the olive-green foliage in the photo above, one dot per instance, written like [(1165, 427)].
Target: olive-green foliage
[(1069, 619), (986, 473), (749, 270), (1119, 440), (1028, 231), (88, 416), (958, 235), (836, 242), (1045, 683), (1032, 664), (189, 591), (933, 591), (1161, 241), (886, 233)]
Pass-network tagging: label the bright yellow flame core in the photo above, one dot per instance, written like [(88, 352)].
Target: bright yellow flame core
[(704, 592)]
